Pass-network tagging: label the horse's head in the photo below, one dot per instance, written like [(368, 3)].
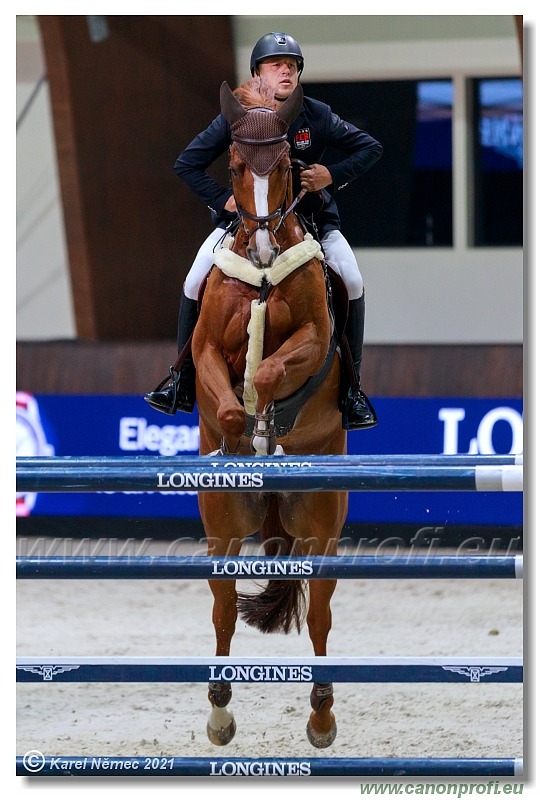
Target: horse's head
[(259, 165)]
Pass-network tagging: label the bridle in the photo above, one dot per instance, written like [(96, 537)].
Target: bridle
[(282, 212)]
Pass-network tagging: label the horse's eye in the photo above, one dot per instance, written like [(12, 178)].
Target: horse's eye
[(234, 172)]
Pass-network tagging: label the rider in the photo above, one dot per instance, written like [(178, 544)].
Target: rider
[(278, 60)]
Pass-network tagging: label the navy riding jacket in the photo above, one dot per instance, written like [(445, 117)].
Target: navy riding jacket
[(316, 128)]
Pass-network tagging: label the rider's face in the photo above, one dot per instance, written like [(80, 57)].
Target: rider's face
[(280, 74)]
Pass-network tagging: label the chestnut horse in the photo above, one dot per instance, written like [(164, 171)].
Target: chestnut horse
[(265, 331)]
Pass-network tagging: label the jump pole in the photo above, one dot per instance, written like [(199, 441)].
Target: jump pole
[(248, 567), (320, 669), (46, 474), (34, 763), (335, 473), (365, 460)]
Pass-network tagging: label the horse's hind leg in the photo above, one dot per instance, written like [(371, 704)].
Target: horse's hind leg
[(221, 725), (317, 523), (321, 728)]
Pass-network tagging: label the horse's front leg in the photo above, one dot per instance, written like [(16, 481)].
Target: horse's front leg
[(281, 374), (215, 397), (228, 518)]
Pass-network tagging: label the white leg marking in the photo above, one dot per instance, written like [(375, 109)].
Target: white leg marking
[(219, 718), (260, 443)]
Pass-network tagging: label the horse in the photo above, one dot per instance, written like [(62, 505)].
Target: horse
[(265, 334)]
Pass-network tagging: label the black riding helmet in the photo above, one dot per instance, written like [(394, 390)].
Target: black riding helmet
[(276, 44)]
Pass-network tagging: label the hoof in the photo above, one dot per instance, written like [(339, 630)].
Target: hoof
[(221, 725), (321, 739), (221, 736)]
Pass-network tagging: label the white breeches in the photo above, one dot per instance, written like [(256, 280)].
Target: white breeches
[(340, 256), (336, 248), (201, 265)]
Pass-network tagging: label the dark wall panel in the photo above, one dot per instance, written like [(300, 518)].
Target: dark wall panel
[(388, 370), (123, 109)]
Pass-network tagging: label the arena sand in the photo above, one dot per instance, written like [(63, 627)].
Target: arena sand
[(173, 618)]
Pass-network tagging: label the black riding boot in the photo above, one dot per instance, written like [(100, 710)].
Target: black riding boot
[(179, 391), (357, 409)]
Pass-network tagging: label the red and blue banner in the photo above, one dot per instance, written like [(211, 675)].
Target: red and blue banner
[(113, 425)]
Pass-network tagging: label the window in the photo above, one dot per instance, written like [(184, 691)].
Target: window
[(405, 199), (498, 161), (431, 200)]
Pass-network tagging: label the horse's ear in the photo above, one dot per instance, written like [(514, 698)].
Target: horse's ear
[(292, 105), (230, 107)]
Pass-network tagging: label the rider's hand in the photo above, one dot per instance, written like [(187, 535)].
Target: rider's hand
[(230, 205), (315, 177)]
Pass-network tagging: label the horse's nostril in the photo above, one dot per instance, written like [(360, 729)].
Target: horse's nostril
[(253, 256), (263, 258)]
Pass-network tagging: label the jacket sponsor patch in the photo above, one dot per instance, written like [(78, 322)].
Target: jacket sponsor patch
[(302, 139)]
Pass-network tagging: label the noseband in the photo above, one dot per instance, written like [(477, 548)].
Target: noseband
[(262, 221)]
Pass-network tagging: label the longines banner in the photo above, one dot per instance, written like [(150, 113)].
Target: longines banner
[(70, 425)]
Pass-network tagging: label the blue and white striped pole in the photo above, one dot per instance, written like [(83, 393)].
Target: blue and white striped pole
[(319, 669), (290, 474), (247, 567), (35, 763)]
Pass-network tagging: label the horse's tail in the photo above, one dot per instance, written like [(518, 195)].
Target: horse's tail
[(281, 604)]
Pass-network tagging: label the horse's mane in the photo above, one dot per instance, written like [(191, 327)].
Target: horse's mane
[(255, 94)]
